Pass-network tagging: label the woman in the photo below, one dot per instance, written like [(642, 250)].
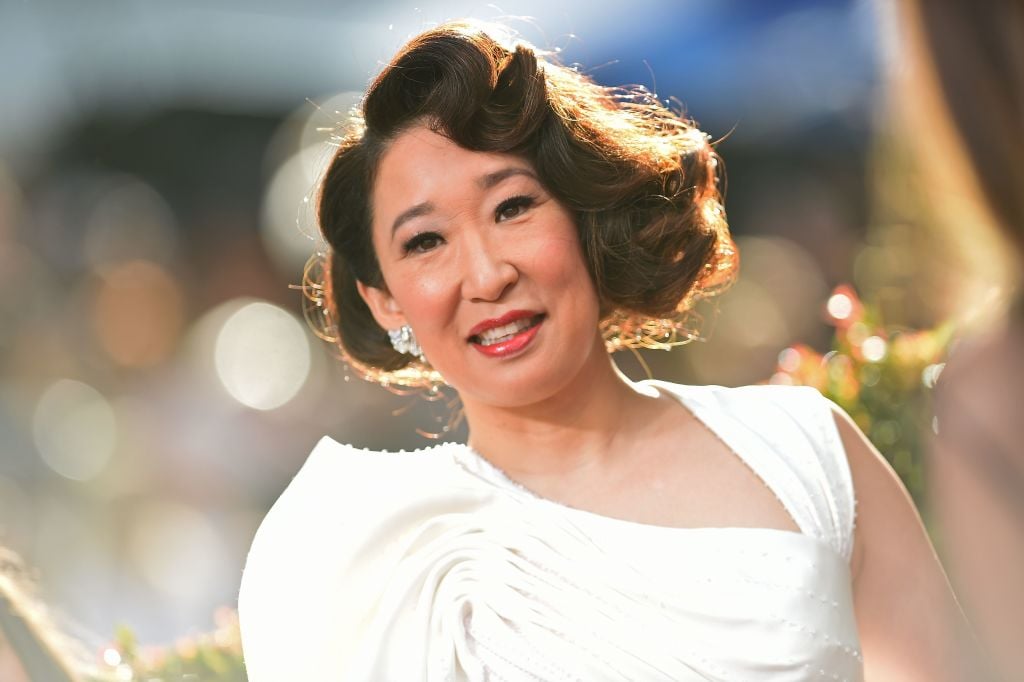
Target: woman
[(966, 63), (501, 222)]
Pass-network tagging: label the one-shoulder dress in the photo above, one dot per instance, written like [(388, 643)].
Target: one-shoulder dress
[(434, 565)]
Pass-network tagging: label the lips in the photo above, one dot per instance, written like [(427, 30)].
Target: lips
[(506, 319), (506, 335)]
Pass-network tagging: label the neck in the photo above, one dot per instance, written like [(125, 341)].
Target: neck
[(578, 431)]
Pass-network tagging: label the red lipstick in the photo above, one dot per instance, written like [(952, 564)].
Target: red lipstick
[(513, 344), (510, 316)]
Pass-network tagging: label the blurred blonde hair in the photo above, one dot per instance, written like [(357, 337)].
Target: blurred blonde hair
[(956, 74)]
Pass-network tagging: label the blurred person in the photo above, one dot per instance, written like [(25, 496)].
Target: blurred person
[(964, 88), (499, 223)]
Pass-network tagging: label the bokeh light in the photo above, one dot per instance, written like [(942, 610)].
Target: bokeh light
[(262, 356), (139, 313), (129, 220), (839, 306), (857, 333), (74, 429), (289, 230), (773, 304), (870, 375), (930, 374), (874, 348), (177, 549), (789, 359), (298, 156)]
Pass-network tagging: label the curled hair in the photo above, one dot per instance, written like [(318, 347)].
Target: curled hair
[(640, 181)]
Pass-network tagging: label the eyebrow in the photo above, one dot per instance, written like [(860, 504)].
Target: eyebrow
[(485, 182), (491, 179), (416, 211)]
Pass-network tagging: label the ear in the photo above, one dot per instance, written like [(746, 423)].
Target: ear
[(384, 307)]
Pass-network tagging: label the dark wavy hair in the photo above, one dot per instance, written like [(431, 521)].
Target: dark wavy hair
[(640, 180)]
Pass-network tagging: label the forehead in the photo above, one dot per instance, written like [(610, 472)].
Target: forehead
[(420, 165)]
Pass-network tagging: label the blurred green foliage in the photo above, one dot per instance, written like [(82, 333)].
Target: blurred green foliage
[(882, 375), (207, 657)]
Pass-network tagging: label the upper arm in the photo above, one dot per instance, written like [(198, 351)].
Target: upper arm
[(908, 619)]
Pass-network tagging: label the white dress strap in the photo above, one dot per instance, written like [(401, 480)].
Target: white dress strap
[(788, 437)]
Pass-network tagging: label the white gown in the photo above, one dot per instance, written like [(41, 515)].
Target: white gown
[(433, 565)]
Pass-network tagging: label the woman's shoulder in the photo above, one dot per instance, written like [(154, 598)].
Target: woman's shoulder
[(789, 436), (339, 484), (779, 412), (797, 422), (344, 509), (800, 402), (337, 476), (330, 456)]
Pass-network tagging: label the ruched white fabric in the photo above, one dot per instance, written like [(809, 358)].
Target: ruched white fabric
[(433, 565)]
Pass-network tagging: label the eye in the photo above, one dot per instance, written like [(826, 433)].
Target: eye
[(422, 242), (513, 207)]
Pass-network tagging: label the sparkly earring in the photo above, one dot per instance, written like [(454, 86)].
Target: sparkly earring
[(404, 341)]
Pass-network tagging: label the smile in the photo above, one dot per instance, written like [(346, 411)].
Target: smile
[(503, 333), (506, 339)]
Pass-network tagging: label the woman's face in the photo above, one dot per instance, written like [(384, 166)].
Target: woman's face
[(485, 266)]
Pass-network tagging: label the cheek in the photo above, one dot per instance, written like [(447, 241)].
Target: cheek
[(425, 295), (561, 263)]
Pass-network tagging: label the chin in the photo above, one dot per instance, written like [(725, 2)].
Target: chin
[(519, 385)]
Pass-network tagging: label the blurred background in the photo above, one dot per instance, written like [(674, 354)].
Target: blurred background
[(158, 384)]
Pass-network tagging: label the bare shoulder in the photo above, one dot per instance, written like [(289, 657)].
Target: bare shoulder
[(887, 519), (907, 615), (877, 487)]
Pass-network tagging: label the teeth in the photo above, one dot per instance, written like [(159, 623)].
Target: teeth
[(505, 332)]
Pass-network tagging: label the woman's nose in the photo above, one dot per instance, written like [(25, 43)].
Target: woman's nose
[(487, 272)]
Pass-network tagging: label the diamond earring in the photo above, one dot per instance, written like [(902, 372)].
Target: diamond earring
[(404, 341)]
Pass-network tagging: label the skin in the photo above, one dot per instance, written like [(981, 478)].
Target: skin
[(974, 463), (910, 624), (563, 421), (479, 266)]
